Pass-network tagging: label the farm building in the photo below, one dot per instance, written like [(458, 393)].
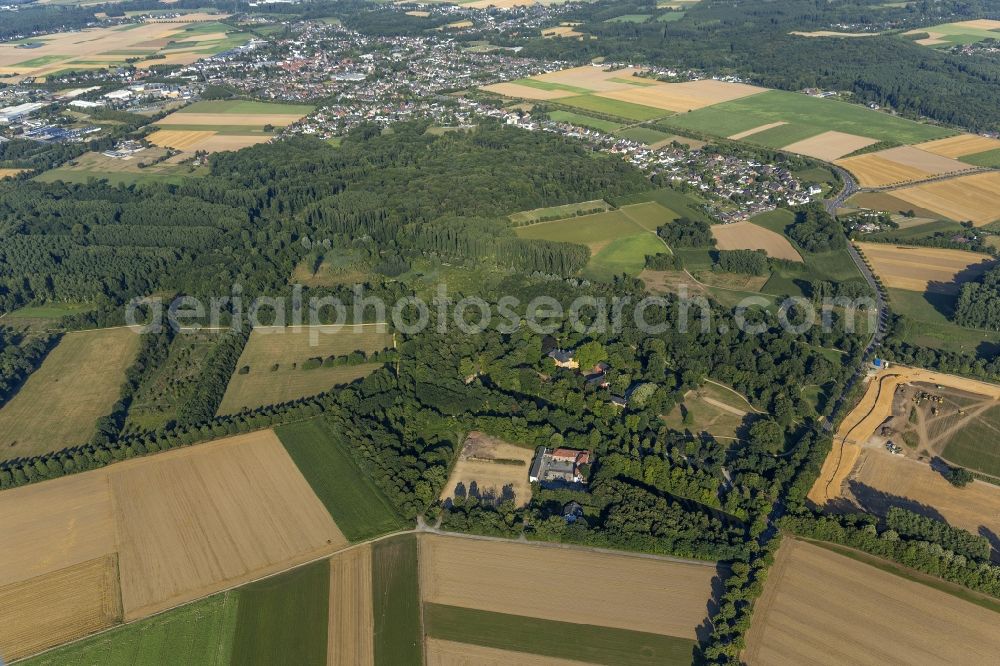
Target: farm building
[(565, 465)]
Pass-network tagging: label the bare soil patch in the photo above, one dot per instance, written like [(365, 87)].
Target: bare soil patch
[(493, 465), (622, 591), (820, 607), (830, 146), (749, 236)]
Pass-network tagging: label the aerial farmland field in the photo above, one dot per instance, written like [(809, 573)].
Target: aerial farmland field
[(351, 623), (224, 124), (79, 380), (278, 368), (749, 236), (493, 465), (924, 268), (961, 32), (820, 607), (974, 198), (398, 630)]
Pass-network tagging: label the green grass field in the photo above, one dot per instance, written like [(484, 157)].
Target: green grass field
[(644, 135), (918, 231), (685, 205), (623, 255), (612, 107), (244, 107), (990, 158), (928, 324), (551, 85), (584, 121), (41, 61), (561, 640), (783, 135), (356, 504), (398, 633), (48, 311), (712, 409), (557, 212), (803, 113), (975, 444), (284, 619), (198, 633)]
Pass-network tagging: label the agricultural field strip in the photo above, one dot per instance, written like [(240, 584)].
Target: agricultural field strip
[(449, 653), (516, 579), (821, 607), (960, 146), (915, 268), (750, 236), (973, 197)]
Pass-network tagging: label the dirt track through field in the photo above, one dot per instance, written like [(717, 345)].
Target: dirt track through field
[(820, 607), (351, 625), (193, 521), (621, 591)]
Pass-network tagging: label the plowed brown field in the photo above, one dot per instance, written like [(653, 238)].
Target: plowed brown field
[(820, 607), (622, 591)]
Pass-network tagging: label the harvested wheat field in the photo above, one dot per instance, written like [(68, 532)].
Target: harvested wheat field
[(349, 639), (622, 591), (59, 405), (193, 521), (924, 268), (900, 165), (830, 146), (526, 92), (975, 197), (449, 653), (749, 236), (277, 359), (820, 607), (10, 173), (228, 119), (961, 145), (492, 464), (209, 141), (64, 605), (594, 79), (755, 130), (681, 97), (914, 484), (561, 31)]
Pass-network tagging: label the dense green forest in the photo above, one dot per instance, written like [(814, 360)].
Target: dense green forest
[(979, 303)]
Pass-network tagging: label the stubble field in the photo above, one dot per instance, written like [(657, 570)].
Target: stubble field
[(275, 358), (215, 125), (974, 198), (492, 464), (924, 268), (820, 607), (351, 623), (897, 166), (59, 404), (749, 236), (961, 145)]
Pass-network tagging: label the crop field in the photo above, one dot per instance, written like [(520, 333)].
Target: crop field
[(754, 130), (10, 173), (973, 442), (199, 633), (284, 619), (829, 146), (974, 198), (613, 107), (210, 141), (683, 97), (99, 48), (820, 607), (924, 268), (711, 408), (398, 633), (816, 115), (47, 610), (961, 146), (619, 240), (749, 236), (351, 624), (897, 166), (79, 381), (961, 32), (278, 371), (257, 514), (514, 639), (224, 124), (122, 171), (566, 210), (889, 203), (493, 465), (358, 507), (623, 591)]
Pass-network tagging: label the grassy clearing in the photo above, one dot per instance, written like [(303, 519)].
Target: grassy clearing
[(613, 107), (284, 619), (96, 166), (586, 643), (710, 409), (52, 311), (396, 602), (59, 405), (975, 444), (584, 121), (804, 111), (929, 324), (199, 633), (623, 255), (670, 17), (355, 503), (684, 205)]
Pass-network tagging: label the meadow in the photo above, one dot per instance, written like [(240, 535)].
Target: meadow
[(929, 324), (79, 381), (558, 212), (90, 166), (277, 368), (358, 507), (974, 444), (613, 107), (713, 409), (805, 117)]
